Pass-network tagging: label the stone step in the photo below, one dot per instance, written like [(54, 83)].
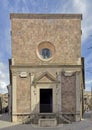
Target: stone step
[(34, 119)]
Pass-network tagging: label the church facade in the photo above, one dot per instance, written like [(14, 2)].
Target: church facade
[(46, 69)]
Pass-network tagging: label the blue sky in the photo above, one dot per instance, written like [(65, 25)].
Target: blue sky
[(44, 6)]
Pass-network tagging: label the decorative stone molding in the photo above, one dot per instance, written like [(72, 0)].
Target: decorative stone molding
[(79, 61), (14, 72), (50, 79), (12, 61), (45, 45), (46, 16), (77, 72), (23, 74), (44, 66), (68, 73)]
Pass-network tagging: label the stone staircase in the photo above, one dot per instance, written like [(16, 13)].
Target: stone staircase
[(47, 118)]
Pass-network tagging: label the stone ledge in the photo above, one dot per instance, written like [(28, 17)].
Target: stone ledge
[(44, 66), (45, 16)]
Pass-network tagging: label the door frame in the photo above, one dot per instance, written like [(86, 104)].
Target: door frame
[(54, 99)]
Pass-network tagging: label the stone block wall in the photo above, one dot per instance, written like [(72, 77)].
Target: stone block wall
[(63, 31), (68, 93), (23, 97)]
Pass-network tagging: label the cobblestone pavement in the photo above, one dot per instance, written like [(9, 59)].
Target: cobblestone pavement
[(85, 124)]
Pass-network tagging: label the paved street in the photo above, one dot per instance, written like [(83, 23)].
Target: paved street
[(87, 115), (85, 124)]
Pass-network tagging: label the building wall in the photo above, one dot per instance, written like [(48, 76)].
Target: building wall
[(63, 32), (4, 103), (31, 33), (68, 93), (23, 95)]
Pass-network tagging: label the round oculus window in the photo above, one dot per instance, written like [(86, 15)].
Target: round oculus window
[(45, 50), (45, 53)]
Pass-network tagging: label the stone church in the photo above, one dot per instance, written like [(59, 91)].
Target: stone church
[(46, 68)]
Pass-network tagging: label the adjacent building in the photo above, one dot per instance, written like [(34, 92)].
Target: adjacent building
[(87, 100), (3, 103)]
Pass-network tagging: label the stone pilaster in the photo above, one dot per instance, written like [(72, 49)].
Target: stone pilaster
[(14, 110), (59, 99), (77, 96)]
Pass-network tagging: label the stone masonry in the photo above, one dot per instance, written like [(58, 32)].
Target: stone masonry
[(60, 30), (46, 54)]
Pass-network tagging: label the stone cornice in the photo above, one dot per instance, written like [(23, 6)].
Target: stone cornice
[(55, 82), (45, 66), (45, 16)]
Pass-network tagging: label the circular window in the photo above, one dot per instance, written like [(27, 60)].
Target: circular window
[(45, 51)]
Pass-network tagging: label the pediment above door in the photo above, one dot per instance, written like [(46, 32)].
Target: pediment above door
[(46, 77)]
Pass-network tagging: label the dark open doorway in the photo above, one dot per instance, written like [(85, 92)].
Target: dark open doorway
[(45, 100)]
